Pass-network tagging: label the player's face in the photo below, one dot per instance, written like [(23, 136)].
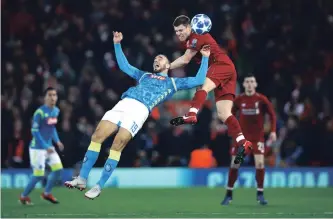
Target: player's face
[(183, 32), (250, 84), (161, 63), (51, 97)]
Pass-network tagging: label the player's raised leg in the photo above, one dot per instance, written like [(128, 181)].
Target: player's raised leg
[(260, 176), (104, 130), (56, 168), (37, 161), (224, 106), (233, 175), (197, 103), (119, 143)]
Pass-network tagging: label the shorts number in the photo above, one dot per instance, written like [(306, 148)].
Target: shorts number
[(261, 147), (134, 127)]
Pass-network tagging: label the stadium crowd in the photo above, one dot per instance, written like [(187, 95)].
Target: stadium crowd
[(68, 45)]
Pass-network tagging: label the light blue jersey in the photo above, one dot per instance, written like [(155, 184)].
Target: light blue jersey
[(153, 89), (43, 127)]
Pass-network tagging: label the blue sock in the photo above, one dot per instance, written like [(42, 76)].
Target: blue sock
[(110, 164), (53, 176), (31, 185), (90, 159)]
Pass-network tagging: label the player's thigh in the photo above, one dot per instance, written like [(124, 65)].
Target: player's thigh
[(109, 124), (104, 129), (227, 85), (121, 139), (134, 117), (37, 161), (54, 161)]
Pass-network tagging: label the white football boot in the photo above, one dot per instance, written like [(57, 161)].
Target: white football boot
[(94, 192), (77, 182)]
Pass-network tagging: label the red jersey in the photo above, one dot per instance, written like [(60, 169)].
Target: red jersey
[(217, 54), (252, 110)]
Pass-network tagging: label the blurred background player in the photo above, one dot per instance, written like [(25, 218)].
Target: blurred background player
[(41, 149), (132, 111), (252, 107), (221, 78)]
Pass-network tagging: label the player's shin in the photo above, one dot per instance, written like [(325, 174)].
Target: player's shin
[(198, 101), (37, 176), (109, 166), (52, 178), (90, 159)]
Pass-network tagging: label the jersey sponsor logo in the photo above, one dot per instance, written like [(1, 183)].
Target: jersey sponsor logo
[(158, 77), (251, 111), (51, 121)]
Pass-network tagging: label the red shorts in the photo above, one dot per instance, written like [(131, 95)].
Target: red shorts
[(257, 148), (225, 79)]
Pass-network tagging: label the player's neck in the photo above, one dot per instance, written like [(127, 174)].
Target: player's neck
[(163, 73), (249, 93), (49, 106)]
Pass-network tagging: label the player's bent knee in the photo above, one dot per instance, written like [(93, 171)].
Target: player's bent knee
[(103, 131), (38, 172), (260, 165), (56, 167), (120, 142), (208, 85)]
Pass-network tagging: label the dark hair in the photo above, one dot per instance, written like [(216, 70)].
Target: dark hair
[(181, 20), (249, 75), (49, 89)]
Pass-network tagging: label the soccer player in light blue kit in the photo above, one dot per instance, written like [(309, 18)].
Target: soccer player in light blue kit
[(128, 116), (41, 150)]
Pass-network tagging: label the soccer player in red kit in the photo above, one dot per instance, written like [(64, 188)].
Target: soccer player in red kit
[(221, 77), (252, 107)]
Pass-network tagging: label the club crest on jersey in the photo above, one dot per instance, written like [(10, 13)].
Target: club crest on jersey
[(157, 77), (51, 121), (194, 43)]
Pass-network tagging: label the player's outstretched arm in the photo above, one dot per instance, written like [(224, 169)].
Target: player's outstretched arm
[(35, 129), (122, 60), (199, 79), (184, 59)]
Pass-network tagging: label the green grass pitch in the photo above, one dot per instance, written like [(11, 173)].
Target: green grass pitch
[(173, 203)]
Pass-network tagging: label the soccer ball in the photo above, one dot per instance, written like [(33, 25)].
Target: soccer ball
[(201, 24)]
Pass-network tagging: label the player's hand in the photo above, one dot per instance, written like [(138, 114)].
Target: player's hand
[(60, 146), (205, 50), (117, 37), (272, 136), (50, 150)]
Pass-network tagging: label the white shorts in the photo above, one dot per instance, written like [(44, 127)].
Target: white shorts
[(38, 159), (129, 114)]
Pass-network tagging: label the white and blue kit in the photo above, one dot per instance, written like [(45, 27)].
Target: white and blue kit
[(152, 89)]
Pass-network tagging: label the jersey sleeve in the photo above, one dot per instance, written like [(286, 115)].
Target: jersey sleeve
[(124, 65), (190, 82), (270, 110), (55, 135), (35, 130), (196, 42)]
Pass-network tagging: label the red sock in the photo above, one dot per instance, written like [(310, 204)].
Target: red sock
[(197, 102), (234, 130), (260, 176), (233, 174)]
